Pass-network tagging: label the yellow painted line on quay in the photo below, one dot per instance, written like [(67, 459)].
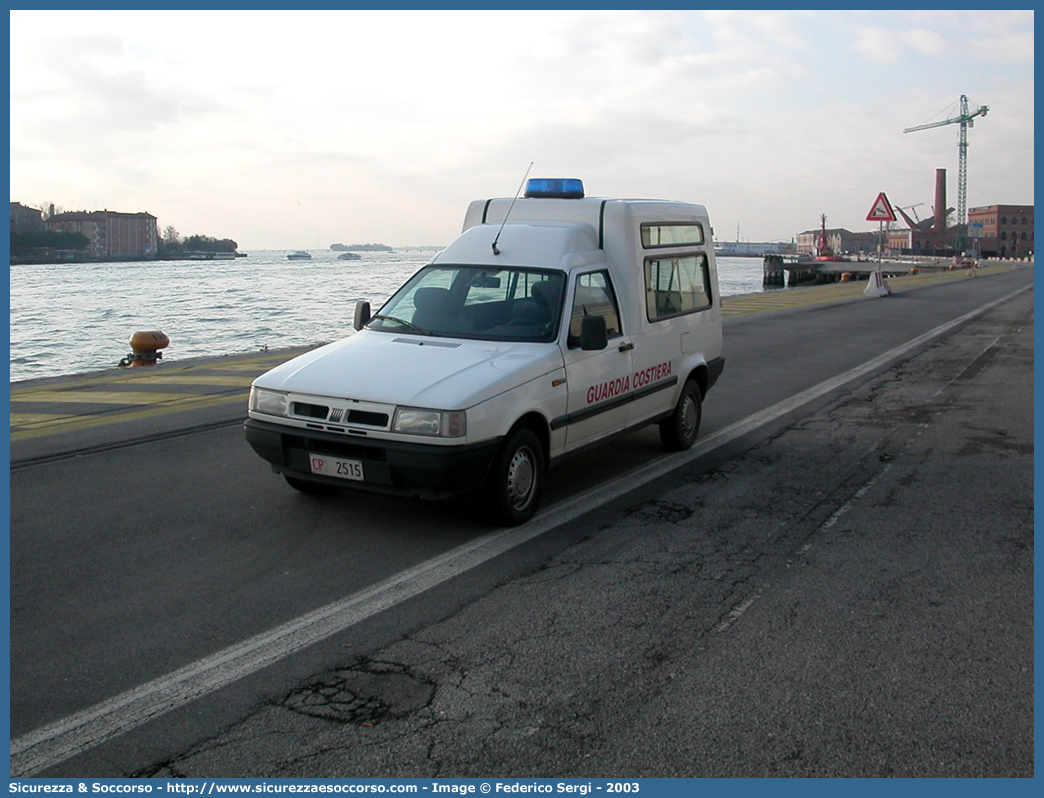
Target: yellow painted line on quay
[(50, 425), (201, 374), (132, 398), (101, 407), (265, 365), (233, 380), (791, 298), (98, 407), (27, 419)]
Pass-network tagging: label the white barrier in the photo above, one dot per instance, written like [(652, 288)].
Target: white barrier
[(877, 285)]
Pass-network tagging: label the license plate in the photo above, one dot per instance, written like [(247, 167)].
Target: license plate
[(333, 467)]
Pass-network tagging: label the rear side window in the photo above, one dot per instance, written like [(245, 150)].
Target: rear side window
[(676, 285), (671, 235)]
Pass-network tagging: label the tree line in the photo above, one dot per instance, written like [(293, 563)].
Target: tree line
[(171, 243), (47, 239)]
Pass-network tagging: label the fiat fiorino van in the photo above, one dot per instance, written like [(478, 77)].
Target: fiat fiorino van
[(554, 322)]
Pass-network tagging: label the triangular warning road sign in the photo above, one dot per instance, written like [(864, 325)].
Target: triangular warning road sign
[(881, 210)]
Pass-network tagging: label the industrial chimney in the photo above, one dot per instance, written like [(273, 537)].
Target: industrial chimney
[(940, 201)]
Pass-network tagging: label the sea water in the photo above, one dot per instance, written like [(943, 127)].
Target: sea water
[(69, 318)]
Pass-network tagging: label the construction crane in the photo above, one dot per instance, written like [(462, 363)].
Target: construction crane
[(965, 120)]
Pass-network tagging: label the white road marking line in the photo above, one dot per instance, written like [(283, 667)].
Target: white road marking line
[(737, 613), (81, 731)]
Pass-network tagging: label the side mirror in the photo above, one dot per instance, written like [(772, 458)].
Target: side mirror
[(362, 314), (593, 333)]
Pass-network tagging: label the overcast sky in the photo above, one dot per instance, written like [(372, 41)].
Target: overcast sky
[(298, 129)]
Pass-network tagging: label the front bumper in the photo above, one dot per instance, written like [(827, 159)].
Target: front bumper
[(392, 467)]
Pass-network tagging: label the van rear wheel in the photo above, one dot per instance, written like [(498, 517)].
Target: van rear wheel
[(678, 432), (517, 478)]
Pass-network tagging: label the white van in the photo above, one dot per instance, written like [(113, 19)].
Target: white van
[(552, 323)]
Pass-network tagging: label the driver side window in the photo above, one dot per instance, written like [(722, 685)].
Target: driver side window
[(594, 296)]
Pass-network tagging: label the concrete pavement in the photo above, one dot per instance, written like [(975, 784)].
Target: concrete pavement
[(851, 597)]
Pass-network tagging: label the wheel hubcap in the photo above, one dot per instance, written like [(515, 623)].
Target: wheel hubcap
[(689, 416), (521, 478)]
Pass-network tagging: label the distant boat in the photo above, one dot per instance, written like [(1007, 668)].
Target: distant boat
[(348, 256), (823, 252), (299, 255)]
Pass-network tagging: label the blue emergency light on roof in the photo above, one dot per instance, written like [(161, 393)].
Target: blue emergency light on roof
[(555, 188)]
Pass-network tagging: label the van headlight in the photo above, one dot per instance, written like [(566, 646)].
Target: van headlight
[(271, 403), (437, 423)]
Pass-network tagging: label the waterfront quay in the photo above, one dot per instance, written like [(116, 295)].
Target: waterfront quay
[(836, 581), (781, 270)]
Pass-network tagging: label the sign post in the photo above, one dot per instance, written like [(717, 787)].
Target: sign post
[(881, 211)]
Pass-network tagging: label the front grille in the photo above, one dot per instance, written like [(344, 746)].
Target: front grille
[(310, 411), (369, 419), (339, 416)]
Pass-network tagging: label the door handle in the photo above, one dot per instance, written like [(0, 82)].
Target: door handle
[(626, 347)]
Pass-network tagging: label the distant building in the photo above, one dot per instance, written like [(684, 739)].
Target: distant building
[(993, 230), (111, 235), (1004, 231), (25, 220), (924, 238), (838, 239), (929, 236)]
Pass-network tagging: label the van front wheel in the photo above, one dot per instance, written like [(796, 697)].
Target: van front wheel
[(517, 478), (678, 431)]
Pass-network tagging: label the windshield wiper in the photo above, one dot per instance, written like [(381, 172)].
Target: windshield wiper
[(407, 324)]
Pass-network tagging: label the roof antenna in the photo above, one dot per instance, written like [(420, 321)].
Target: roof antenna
[(512, 205)]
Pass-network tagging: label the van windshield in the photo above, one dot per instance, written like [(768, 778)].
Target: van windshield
[(488, 304)]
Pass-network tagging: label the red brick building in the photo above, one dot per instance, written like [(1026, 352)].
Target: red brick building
[(1004, 231), (119, 236), (25, 219)]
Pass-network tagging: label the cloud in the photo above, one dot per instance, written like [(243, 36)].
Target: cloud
[(90, 82), (756, 31), (877, 44), (925, 41), (999, 37), (110, 92), (1014, 47)]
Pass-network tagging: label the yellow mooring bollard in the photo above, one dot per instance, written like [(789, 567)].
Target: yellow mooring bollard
[(145, 348)]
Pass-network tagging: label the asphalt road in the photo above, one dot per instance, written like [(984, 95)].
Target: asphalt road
[(845, 589)]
